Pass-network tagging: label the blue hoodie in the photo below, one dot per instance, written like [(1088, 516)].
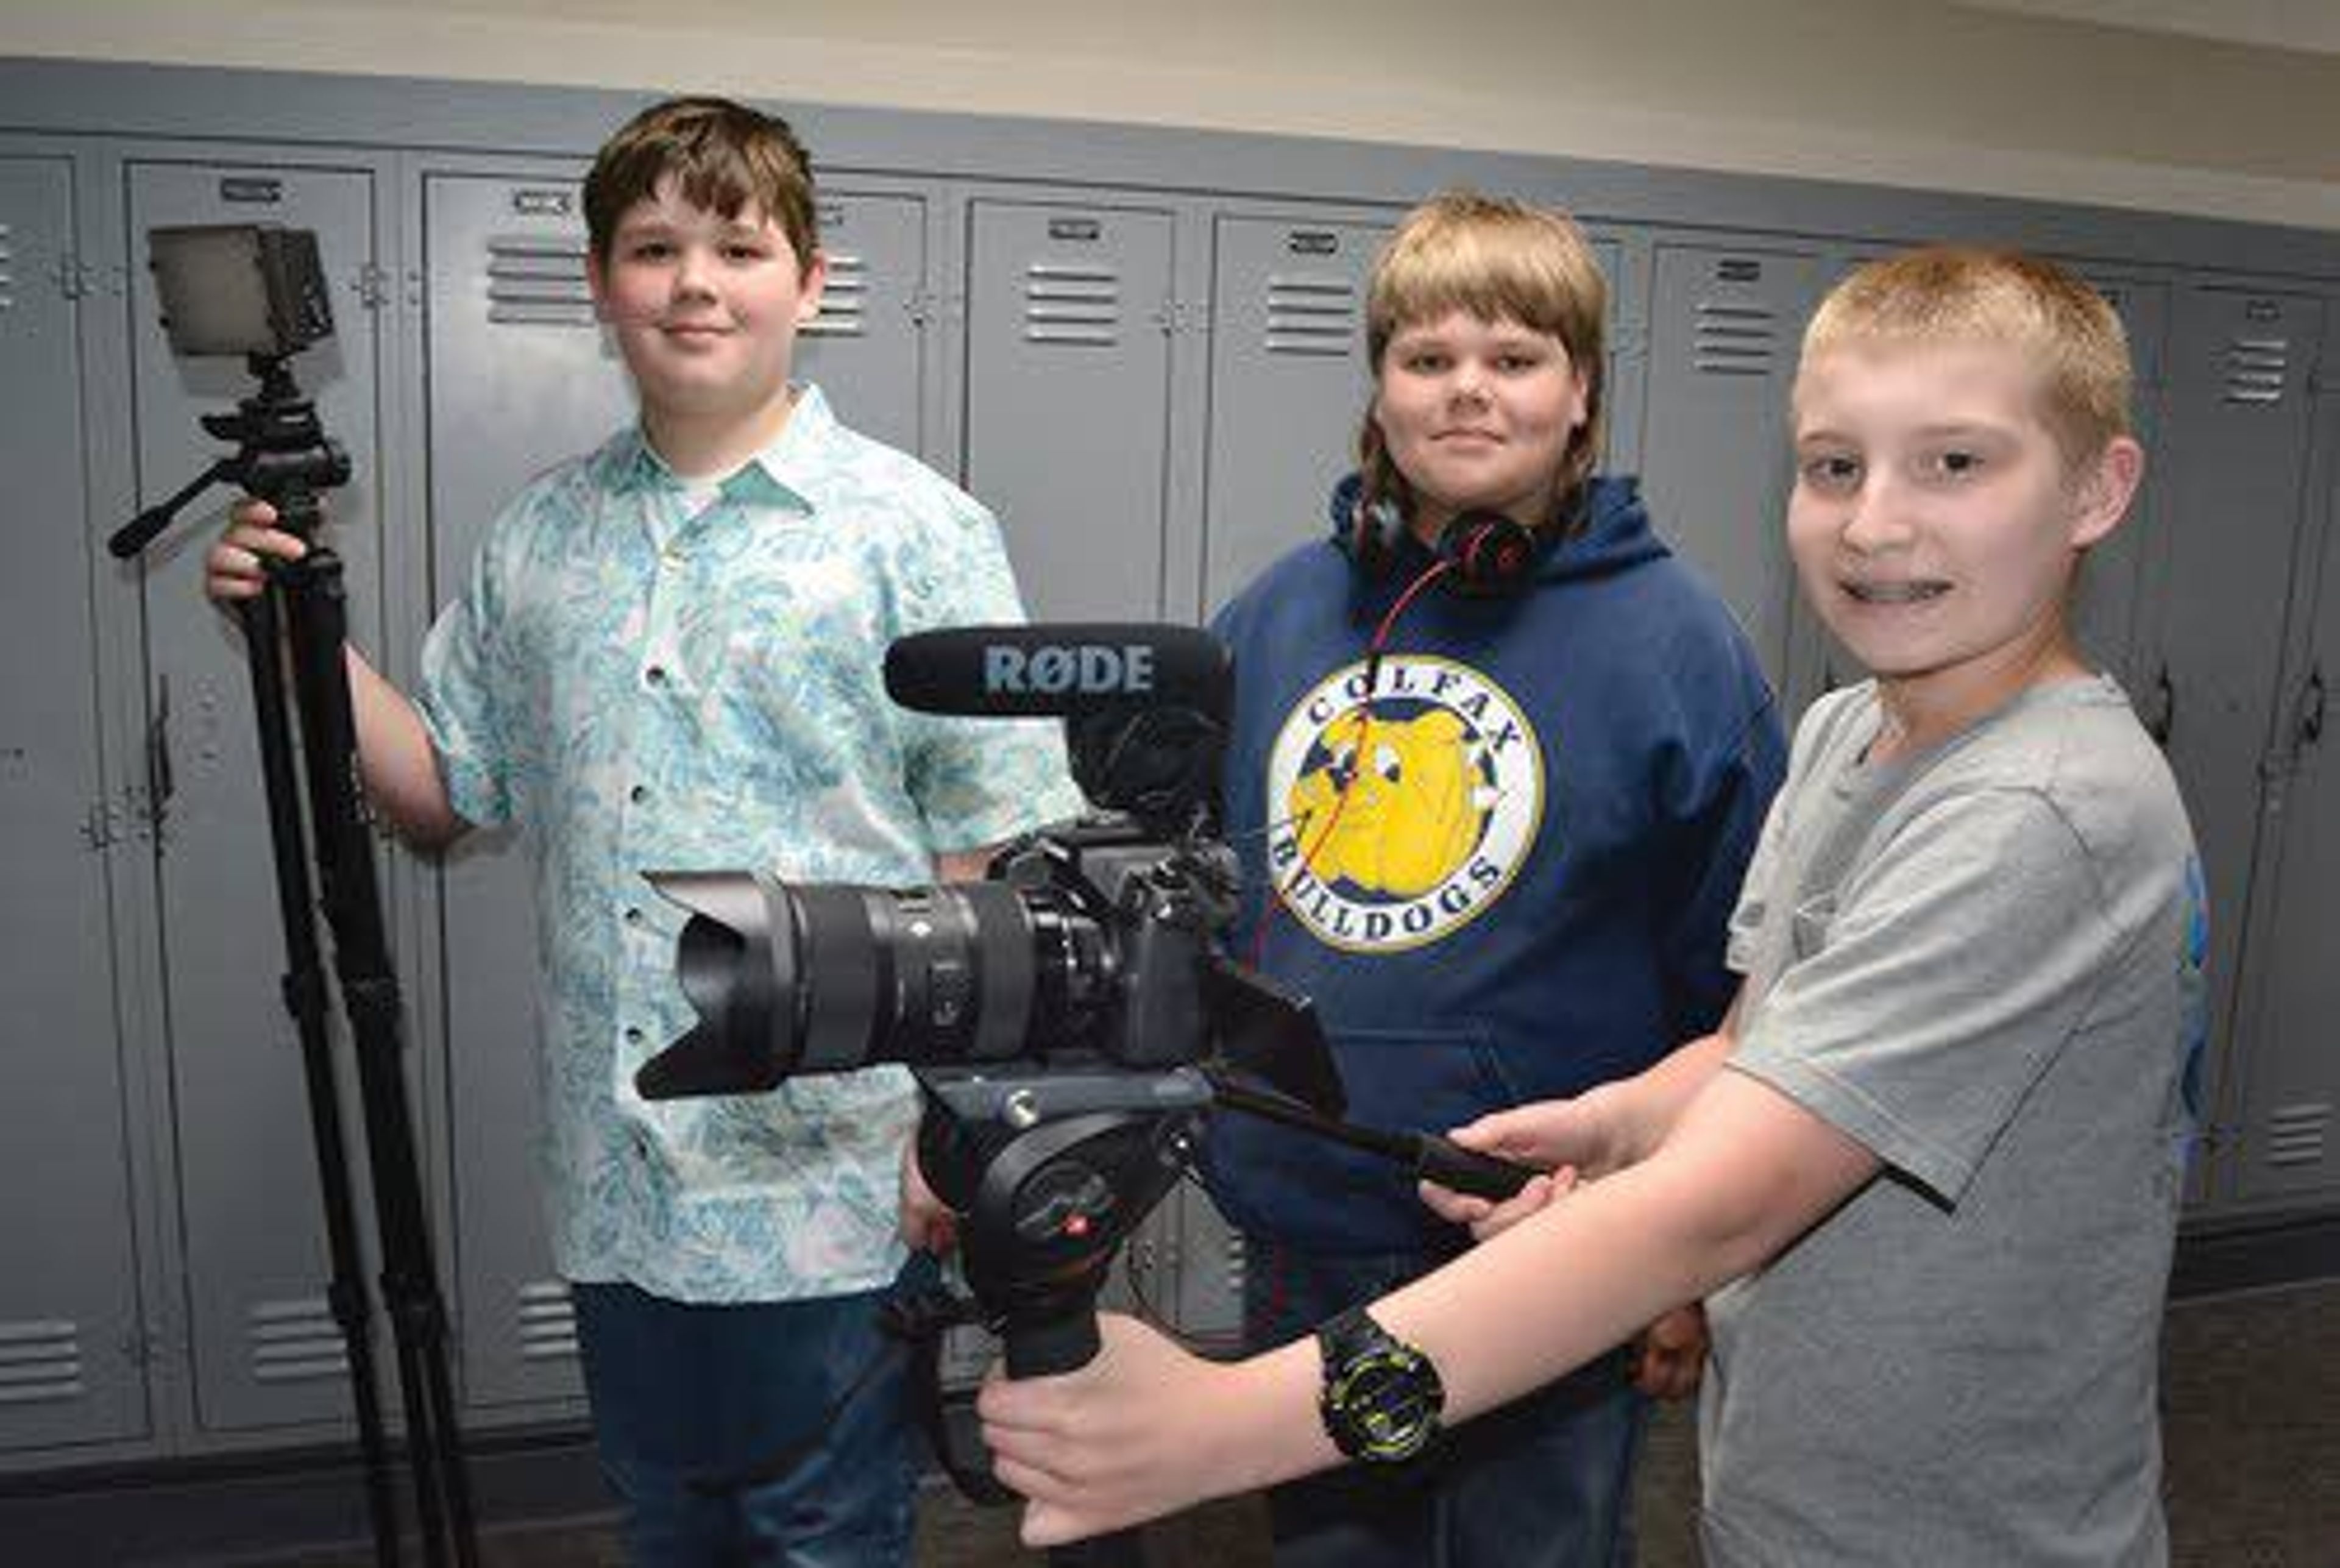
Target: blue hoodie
[(1526, 892)]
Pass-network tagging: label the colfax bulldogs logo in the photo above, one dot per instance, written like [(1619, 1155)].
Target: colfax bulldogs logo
[(1439, 810)]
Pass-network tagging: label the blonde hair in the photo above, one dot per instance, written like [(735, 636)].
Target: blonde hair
[(722, 155), (1498, 260), (1956, 293)]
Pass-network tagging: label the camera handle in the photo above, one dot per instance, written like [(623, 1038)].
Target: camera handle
[(294, 631)]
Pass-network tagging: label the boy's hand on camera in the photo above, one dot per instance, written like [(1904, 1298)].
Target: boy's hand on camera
[(232, 570), (1670, 1354)]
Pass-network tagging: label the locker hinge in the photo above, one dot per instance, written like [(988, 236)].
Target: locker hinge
[(102, 826), (2305, 729), (76, 279), (374, 286)]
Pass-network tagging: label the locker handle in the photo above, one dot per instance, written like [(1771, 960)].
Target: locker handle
[(2164, 722), (159, 781), (2308, 728)]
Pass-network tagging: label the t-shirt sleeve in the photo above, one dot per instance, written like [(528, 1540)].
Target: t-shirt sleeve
[(977, 781), (1925, 997)]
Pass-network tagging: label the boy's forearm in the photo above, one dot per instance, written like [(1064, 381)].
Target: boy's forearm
[(1636, 1114), (396, 760)]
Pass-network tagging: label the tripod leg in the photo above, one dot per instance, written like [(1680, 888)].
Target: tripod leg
[(318, 623), (304, 999)]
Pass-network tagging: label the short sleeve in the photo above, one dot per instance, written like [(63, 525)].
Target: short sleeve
[(461, 698), (1923, 998), (977, 781)]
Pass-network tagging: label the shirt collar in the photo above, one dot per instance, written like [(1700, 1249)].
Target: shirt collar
[(784, 472)]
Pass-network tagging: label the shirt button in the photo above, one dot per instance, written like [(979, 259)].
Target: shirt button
[(633, 1036), (634, 916), (639, 793), (655, 675)]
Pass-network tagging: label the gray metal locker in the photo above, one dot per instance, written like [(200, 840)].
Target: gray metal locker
[(2287, 1059), (1724, 327), (1289, 385), (71, 1362), (266, 1350), (2236, 443), (1067, 427), (522, 377)]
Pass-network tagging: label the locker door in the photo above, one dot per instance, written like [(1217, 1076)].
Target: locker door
[(1289, 385), (868, 347), (2290, 1088), (2288, 1059), (2237, 442), (522, 376), (69, 1310), (266, 1350), (1068, 400), (1724, 325)]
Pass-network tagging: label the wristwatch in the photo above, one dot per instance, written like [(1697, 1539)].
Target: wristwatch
[(1381, 1397)]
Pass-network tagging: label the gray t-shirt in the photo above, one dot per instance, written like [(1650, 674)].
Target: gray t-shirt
[(1984, 963)]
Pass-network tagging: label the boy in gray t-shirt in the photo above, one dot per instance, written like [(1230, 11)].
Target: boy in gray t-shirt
[(1928, 1170)]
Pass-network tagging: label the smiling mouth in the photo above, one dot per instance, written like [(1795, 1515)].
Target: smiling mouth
[(1917, 592)]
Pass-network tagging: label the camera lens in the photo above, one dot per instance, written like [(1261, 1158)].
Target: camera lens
[(828, 978)]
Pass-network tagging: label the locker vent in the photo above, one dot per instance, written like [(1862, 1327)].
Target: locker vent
[(1072, 302), (1735, 337), (2257, 369), (39, 1361), (1311, 314), (295, 1340), (845, 301), (536, 280), (548, 1322), (2294, 1133)]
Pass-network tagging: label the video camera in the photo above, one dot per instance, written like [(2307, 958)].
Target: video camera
[(1071, 1017)]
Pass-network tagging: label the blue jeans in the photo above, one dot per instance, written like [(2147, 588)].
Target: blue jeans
[(1545, 1481), (684, 1392)]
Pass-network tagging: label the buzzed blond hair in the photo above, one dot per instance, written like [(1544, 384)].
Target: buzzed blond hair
[(1497, 260), (1972, 294)]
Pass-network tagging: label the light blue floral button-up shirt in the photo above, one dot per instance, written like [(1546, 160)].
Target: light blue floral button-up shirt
[(642, 688)]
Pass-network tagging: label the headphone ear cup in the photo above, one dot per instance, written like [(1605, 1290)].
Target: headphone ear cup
[(1489, 554)]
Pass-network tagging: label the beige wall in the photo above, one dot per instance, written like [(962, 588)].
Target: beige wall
[(2017, 100)]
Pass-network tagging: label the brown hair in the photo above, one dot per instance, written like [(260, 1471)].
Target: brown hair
[(1500, 260), (1957, 293), (722, 155)]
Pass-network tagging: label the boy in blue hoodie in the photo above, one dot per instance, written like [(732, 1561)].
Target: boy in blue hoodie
[(1499, 761)]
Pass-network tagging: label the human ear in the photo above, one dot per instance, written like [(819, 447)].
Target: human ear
[(815, 279), (2106, 490)]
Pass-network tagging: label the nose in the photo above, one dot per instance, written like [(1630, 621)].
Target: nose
[(1469, 382), (692, 272), (1874, 518)]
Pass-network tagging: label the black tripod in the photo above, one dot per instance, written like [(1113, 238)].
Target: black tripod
[(295, 633)]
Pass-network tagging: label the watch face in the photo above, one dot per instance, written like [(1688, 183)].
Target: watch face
[(1388, 1400)]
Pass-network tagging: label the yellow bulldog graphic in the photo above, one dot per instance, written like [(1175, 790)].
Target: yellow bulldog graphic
[(1413, 807)]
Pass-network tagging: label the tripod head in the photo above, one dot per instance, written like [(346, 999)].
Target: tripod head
[(258, 292)]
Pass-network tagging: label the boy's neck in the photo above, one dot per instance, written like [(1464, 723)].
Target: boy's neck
[(715, 443), (1924, 712)]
